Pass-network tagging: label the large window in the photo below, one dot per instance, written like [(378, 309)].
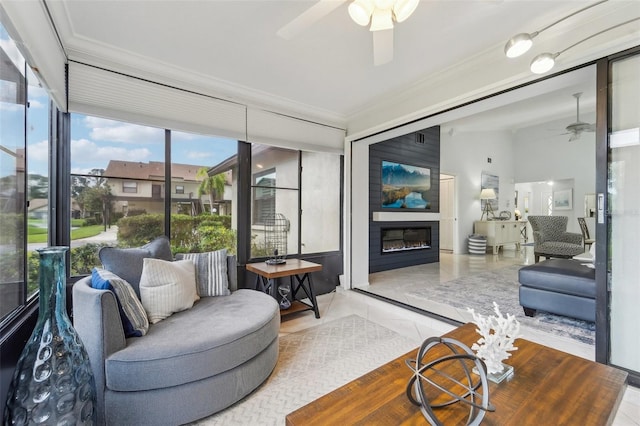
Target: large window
[(321, 206), (114, 168), (24, 177), (201, 194), (275, 207), (296, 201), (118, 183)]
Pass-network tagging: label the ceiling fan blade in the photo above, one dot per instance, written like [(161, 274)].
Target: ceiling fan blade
[(592, 128), (574, 137), (307, 18), (382, 47)]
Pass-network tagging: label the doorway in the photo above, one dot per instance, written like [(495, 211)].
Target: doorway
[(447, 212)]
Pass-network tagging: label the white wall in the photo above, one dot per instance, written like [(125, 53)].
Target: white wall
[(543, 153), (536, 154), (360, 214), (465, 155)]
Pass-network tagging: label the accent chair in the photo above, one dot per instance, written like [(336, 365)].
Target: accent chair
[(586, 238), (551, 239)]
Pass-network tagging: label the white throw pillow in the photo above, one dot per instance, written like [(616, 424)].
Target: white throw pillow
[(167, 287)]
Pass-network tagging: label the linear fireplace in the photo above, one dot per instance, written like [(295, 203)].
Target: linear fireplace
[(404, 239)]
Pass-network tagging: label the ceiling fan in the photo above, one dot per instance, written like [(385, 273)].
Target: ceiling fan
[(576, 129), (380, 13)]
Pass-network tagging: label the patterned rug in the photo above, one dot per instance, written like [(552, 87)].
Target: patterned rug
[(481, 290), (314, 362)]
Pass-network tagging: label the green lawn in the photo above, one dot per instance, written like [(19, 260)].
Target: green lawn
[(39, 235)]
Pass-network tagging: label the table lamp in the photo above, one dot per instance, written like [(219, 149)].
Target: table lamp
[(487, 194)]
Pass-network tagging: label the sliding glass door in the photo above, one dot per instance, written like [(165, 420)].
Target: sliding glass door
[(623, 211)]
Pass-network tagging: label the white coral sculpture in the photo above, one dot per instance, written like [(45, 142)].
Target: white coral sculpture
[(493, 347)]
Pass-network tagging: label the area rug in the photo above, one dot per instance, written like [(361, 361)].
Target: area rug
[(314, 362), (479, 291)]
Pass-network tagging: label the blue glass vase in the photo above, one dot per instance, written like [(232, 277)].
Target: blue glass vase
[(53, 383)]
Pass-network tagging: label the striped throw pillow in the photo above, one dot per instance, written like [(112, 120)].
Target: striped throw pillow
[(132, 313), (167, 287), (211, 272)]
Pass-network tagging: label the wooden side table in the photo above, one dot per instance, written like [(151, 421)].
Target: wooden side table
[(299, 273)]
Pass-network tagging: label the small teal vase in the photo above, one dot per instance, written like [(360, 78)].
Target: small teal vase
[(53, 383)]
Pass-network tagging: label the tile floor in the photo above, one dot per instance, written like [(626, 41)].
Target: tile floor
[(419, 327)]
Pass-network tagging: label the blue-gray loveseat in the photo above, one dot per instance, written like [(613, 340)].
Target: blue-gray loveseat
[(187, 366)]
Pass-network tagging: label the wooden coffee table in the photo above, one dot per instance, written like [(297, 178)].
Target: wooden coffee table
[(549, 387)]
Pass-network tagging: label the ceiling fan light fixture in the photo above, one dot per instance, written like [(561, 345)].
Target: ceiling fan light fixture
[(381, 19), (402, 9), (543, 63), (360, 11), (519, 44)]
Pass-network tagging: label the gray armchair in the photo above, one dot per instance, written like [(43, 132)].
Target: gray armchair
[(551, 239)]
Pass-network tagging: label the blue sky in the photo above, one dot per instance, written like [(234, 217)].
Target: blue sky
[(94, 141)]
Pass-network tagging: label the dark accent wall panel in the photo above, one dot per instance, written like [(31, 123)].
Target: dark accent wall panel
[(420, 149)]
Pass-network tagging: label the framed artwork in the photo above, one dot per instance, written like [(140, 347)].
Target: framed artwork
[(563, 199), (490, 181), (405, 186)]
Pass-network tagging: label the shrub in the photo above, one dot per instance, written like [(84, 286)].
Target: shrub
[(78, 223), (91, 221), (135, 231), (136, 212), (12, 226), (216, 238), (115, 217), (188, 233), (85, 258), (184, 233)]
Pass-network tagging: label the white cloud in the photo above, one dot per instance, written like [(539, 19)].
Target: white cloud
[(39, 151), (86, 151), (36, 104), (116, 131), (194, 155), (81, 171), (182, 136)]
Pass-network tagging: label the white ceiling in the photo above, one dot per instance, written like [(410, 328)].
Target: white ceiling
[(555, 104), (230, 48)]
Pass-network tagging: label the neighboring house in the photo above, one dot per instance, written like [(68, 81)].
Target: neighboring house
[(39, 208), (138, 186)]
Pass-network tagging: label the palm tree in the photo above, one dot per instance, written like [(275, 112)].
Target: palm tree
[(213, 186)]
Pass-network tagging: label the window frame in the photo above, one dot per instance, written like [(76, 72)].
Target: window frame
[(127, 185)]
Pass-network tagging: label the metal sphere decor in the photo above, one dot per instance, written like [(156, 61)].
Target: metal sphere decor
[(474, 386)]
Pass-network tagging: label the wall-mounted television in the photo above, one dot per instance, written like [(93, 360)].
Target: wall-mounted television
[(405, 186)]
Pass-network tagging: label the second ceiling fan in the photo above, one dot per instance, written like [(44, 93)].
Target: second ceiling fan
[(576, 129), (381, 14)]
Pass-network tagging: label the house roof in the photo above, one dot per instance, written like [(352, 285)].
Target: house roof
[(154, 170), (38, 203)]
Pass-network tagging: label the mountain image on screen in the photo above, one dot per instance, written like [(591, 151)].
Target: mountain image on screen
[(405, 186)]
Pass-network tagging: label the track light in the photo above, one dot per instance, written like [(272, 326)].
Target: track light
[(521, 43), (544, 62)]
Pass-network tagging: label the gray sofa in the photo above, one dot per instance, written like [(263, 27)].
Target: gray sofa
[(559, 286), (188, 366)]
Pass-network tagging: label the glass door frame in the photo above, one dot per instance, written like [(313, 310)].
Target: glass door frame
[(603, 227)]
